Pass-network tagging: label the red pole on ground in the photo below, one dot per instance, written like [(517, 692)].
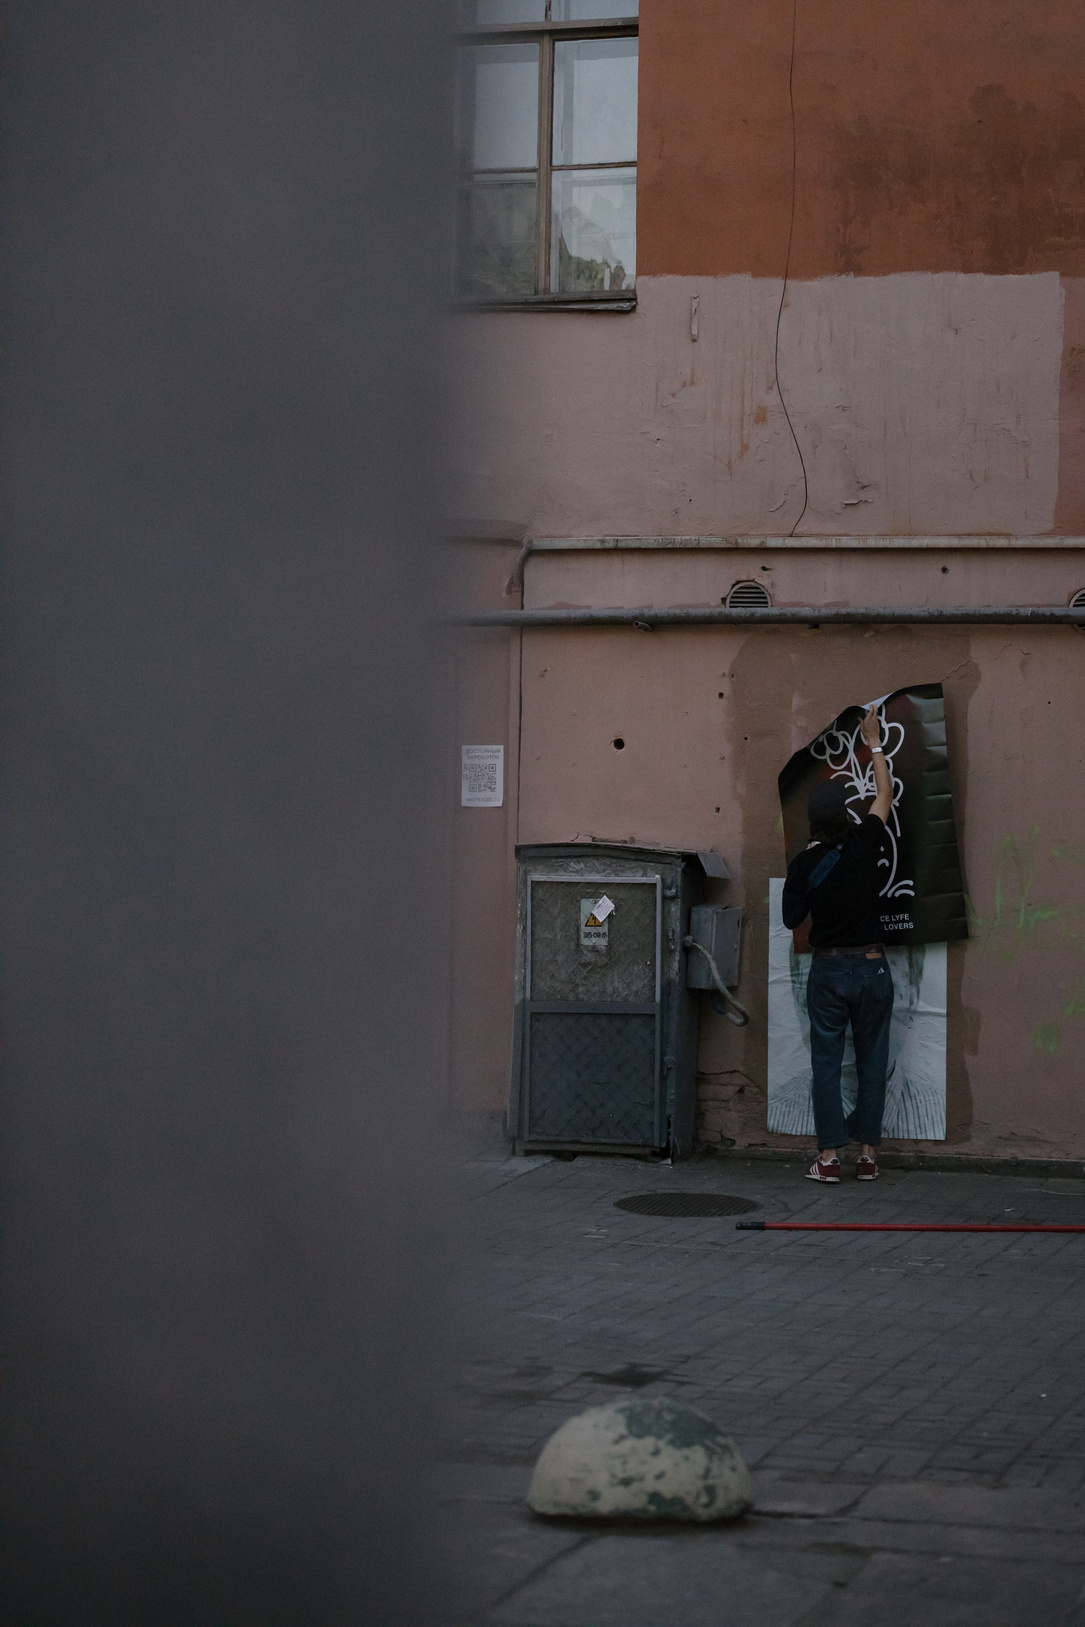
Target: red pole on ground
[(887, 1226)]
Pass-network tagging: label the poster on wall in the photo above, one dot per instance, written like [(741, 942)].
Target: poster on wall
[(922, 894), (915, 1092)]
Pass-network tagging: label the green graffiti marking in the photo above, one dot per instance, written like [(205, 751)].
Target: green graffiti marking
[(1075, 1006), (1045, 1037), (1017, 919), (1025, 916)]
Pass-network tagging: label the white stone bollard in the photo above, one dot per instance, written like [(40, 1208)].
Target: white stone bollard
[(641, 1459)]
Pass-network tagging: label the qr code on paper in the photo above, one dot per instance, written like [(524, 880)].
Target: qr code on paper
[(483, 777), (480, 779)]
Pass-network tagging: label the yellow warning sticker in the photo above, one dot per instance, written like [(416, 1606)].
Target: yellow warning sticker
[(594, 928)]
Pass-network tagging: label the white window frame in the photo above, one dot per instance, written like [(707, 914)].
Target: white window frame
[(546, 35)]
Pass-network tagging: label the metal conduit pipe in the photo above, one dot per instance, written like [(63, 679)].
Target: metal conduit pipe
[(731, 1008), (650, 617)]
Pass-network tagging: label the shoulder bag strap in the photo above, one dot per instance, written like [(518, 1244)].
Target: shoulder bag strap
[(823, 867)]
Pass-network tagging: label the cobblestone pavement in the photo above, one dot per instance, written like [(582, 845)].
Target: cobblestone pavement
[(913, 1404)]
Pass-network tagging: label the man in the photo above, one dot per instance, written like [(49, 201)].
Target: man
[(836, 883), (915, 1087)]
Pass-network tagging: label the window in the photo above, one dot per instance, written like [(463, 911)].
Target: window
[(547, 120)]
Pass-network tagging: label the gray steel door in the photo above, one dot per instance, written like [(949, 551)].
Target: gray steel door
[(592, 1017)]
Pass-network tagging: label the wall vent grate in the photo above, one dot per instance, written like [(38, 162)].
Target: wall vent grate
[(1078, 603), (748, 596)]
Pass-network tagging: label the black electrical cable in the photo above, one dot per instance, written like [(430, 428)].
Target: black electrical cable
[(787, 264)]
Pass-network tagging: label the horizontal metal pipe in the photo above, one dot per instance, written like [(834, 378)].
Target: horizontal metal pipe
[(887, 1226), (650, 617)]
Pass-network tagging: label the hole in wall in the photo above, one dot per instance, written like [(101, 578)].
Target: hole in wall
[(618, 744), (945, 570)]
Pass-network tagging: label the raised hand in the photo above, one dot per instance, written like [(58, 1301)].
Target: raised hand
[(872, 727)]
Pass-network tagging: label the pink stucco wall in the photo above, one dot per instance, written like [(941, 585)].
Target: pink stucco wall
[(708, 716), (923, 403)]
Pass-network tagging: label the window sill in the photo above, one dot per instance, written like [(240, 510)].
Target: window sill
[(613, 304)]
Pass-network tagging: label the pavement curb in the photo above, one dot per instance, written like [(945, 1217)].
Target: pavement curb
[(945, 1163)]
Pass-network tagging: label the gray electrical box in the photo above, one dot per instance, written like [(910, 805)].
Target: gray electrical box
[(605, 1052), (718, 928)]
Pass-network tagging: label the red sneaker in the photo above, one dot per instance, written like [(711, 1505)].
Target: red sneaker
[(820, 1171), (866, 1167)]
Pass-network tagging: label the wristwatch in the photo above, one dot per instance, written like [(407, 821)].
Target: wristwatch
[(880, 751)]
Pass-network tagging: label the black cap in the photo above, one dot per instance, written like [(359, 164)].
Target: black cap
[(828, 803)]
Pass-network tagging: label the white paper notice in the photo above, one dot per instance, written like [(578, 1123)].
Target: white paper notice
[(483, 777), (604, 908)]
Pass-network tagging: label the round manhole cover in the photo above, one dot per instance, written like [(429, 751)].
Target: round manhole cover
[(685, 1203)]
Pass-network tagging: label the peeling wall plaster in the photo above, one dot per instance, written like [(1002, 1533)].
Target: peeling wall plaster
[(923, 402)]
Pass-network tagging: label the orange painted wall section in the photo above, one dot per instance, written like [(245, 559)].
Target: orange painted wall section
[(931, 135)]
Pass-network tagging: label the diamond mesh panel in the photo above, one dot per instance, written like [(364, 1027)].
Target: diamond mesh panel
[(562, 970), (592, 1078)]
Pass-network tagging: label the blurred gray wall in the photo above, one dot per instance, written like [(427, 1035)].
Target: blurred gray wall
[(220, 911)]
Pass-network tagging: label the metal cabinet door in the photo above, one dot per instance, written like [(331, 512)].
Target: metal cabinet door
[(591, 1037)]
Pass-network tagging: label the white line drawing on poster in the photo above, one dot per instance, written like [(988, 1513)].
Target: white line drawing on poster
[(839, 749)]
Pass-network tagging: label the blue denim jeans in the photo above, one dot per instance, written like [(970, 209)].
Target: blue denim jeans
[(847, 989)]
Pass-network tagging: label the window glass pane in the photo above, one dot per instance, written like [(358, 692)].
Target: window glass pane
[(499, 103), (594, 243), (595, 101), (497, 237), (586, 11), (510, 11)]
